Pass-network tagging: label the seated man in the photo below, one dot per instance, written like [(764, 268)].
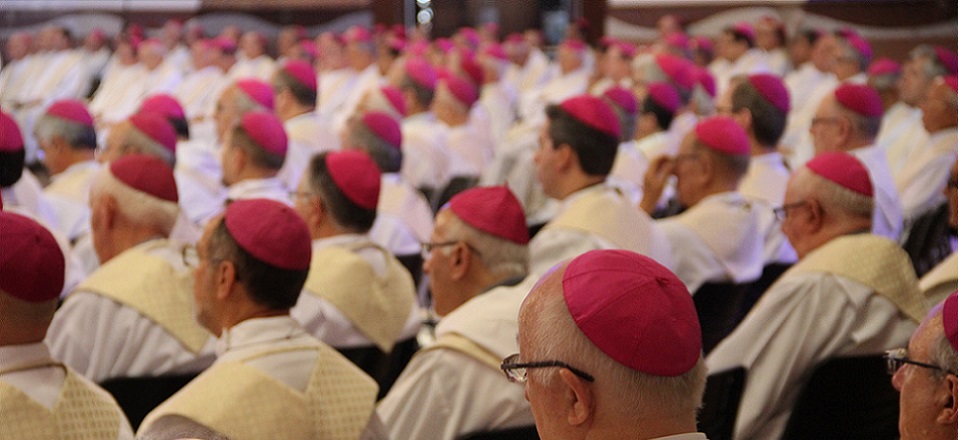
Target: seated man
[(133, 316), (926, 375), (577, 148), (851, 293), (40, 397), (252, 155), (271, 378), (717, 239), (476, 261), (610, 348), (941, 280), (357, 294)]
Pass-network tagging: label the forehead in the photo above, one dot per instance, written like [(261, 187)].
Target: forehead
[(828, 106), (443, 218), (688, 142), (204, 242)]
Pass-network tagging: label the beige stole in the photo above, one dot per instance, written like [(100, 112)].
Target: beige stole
[(942, 276), (457, 342), (79, 413), (378, 306), (150, 285), (607, 214), (873, 261), (242, 402)]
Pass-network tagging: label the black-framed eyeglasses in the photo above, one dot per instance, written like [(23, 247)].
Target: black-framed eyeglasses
[(191, 258), (427, 247), (952, 183), (519, 372), (898, 357), (782, 211)]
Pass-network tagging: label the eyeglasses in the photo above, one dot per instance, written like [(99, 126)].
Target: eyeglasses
[(817, 121), (782, 211), (427, 248), (191, 258), (519, 372), (898, 357)]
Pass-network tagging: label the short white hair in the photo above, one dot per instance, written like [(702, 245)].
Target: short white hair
[(138, 207), (835, 199), (505, 259), (137, 142)]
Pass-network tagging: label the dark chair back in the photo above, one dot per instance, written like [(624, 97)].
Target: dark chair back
[(723, 394), (847, 398), (412, 263), (455, 186), (384, 367), (140, 395), (770, 274), (524, 433), (718, 307), (928, 240)]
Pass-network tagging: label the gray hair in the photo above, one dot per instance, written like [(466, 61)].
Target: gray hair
[(386, 156), (504, 258), (934, 66), (865, 126), (835, 198), (138, 207), (136, 141), (77, 135)]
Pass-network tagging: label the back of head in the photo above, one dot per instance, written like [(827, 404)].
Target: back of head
[(767, 99), (492, 221), (262, 136), (300, 79), (70, 121), (12, 153), (151, 133), (842, 185), (418, 83), (862, 106), (379, 135), (722, 139), (144, 192), (590, 127), (348, 182)]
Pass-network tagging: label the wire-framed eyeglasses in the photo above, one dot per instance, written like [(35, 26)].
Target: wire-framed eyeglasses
[(427, 247), (518, 372), (898, 357), (782, 211)]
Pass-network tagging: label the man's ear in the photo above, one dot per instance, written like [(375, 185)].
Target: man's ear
[(565, 156), (949, 401), (105, 211), (578, 398), (461, 259), (816, 215), (225, 279)]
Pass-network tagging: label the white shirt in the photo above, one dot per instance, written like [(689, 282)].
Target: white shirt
[(628, 171), (764, 184), (103, 339), (751, 62), (43, 385), (269, 188), (446, 394), (425, 155), (499, 101), (367, 79), (902, 135), (69, 195), (403, 217), (716, 240), (334, 87), (308, 134), (119, 94), (532, 104), (921, 180), (197, 91), (469, 149), (888, 218), (940, 281), (533, 74), (261, 68), (802, 320)]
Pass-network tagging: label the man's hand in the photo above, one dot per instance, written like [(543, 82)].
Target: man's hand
[(654, 182)]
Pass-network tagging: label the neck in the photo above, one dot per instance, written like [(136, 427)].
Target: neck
[(125, 238), (79, 156), (576, 183), (251, 173), (830, 232), (245, 310), (757, 149), (715, 187), (293, 111)]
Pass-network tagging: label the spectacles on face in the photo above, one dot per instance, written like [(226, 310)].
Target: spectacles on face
[(898, 357), (518, 372), (191, 258), (823, 120), (781, 213), (427, 248)]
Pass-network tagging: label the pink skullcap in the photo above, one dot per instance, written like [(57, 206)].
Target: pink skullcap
[(515, 38), (677, 40), (843, 169), (472, 68), (705, 79), (383, 126), (165, 105), (948, 58), (494, 50), (462, 89), (257, 90), (772, 89), (949, 318), (952, 82), (395, 98), (11, 140), (421, 72), (31, 262), (395, 43), (745, 29), (302, 72), (71, 110), (357, 34), (635, 310), (623, 98), (225, 44), (418, 48), (576, 45), (724, 135), (444, 45), (593, 112), (147, 174), (270, 231), (679, 70), (266, 130), (664, 95), (493, 210), (97, 34), (628, 49), (859, 44), (860, 99), (470, 34), (884, 66), (704, 43), (156, 127), (356, 175), (309, 47), (151, 42)]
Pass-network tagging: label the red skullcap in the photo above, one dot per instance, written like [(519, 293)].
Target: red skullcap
[(952, 83), (627, 49), (772, 89), (71, 110), (302, 72), (705, 79), (157, 128), (165, 105), (677, 40), (356, 175), (462, 89), (258, 91), (11, 140), (421, 72), (704, 43), (635, 310), (395, 98), (147, 174), (515, 38), (593, 112), (664, 95), (266, 130), (224, 44), (724, 135), (843, 169), (444, 45), (357, 34), (576, 45), (309, 47), (97, 34), (395, 43), (860, 99), (471, 68), (494, 50), (623, 99), (949, 319), (745, 29), (859, 44), (270, 231), (884, 66), (384, 126), (418, 48), (679, 70), (948, 58), (493, 210), (471, 36), (31, 262)]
